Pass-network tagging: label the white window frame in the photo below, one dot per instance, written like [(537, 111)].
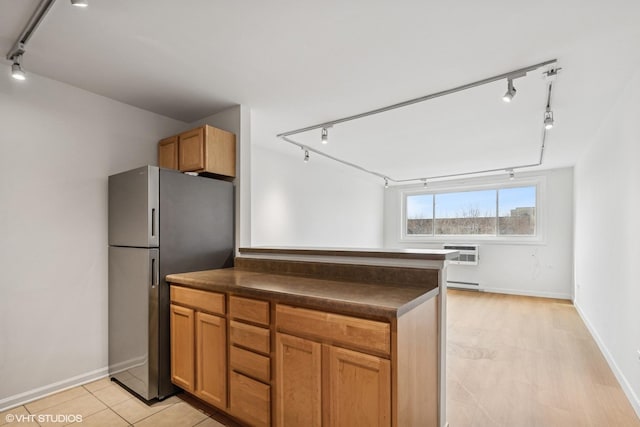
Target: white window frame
[(538, 181)]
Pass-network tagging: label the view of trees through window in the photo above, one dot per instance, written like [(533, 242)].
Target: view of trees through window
[(507, 211)]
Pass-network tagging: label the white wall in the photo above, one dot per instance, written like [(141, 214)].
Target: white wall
[(607, 236), (319, 203), (540, 269), (237, 120), (58, 145)]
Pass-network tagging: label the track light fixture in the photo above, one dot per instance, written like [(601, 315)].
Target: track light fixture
[(511, 91), (79, 3), (548, 114), (550, 75), (325, 135), (16, 69), (548, 119)]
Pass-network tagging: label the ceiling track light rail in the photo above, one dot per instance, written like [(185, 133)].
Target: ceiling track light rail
[(521, 72), (19, 47), (549, 74)]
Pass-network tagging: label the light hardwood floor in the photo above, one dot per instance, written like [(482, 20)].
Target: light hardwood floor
[(521, 361), (512, 361)]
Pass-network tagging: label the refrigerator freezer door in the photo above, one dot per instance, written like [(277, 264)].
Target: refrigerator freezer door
[(133, 208), (133, 318)]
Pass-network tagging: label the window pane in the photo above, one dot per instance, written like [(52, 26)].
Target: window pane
[(517, 211), (467, 212), (420, 214)]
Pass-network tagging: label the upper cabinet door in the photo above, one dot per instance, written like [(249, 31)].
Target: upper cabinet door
[(133, 208), (192, 150), (168, 153)]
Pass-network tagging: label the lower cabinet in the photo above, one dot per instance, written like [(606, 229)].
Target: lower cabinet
[(182, 347), (359, 389), (298, 381), (199, 344), (320, 368), (211, 366), (250, 400), (319, 384)]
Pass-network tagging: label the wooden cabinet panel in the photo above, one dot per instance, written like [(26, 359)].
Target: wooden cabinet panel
[(250, 310), (211, 302), (251, 337), (298, 382), (250, 400), (349, 331), (220, 151), (168, 153), (359, 389), (211, 360), (191, 150), (249, 363), (182, 347)]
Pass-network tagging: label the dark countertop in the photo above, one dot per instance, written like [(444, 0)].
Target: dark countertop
[(363, 299), (421, 254)]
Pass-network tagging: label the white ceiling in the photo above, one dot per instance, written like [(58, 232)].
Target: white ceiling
[(297, 63)]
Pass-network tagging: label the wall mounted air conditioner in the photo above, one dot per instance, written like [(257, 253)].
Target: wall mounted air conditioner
[(468, 253)]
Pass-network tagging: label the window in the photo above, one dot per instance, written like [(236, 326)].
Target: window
[(494, 212)]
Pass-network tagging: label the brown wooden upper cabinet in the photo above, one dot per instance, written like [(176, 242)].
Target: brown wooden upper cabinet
[(203, 149)]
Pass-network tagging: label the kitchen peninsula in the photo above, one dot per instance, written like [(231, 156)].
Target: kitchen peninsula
[(323, 337)]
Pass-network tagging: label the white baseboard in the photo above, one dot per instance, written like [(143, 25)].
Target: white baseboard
[(626, 387), (526, 293), (40, 392)]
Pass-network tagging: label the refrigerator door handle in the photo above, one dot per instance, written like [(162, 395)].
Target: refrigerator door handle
[(153, 222), (154, 272)]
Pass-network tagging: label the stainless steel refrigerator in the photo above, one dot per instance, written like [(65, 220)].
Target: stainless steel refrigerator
[(160, 222)]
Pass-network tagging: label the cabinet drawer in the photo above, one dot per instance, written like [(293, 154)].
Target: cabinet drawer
[(335, 328), (202, 300), (250, 363), (250, 310), (251, 337), (250, 400)]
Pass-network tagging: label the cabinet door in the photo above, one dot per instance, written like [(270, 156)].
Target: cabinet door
[(211, 359), (298, 382), (168, 153), (191, 150), (182, 347), (358, 389)]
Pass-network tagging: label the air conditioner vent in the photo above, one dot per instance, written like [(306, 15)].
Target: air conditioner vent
[(468, 253)]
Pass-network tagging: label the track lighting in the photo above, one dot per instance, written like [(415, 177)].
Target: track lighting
[(306, 156), (424, 183), (548, 114), (325, 135), (511, 91), (512, 174), (386, 183), (79, 3), (16, 69), (548, 119)]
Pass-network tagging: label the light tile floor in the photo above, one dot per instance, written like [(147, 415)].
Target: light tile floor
[(104, 403)]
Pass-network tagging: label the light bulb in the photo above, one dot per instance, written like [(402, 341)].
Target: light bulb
[(17, 72), (325, 136)]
